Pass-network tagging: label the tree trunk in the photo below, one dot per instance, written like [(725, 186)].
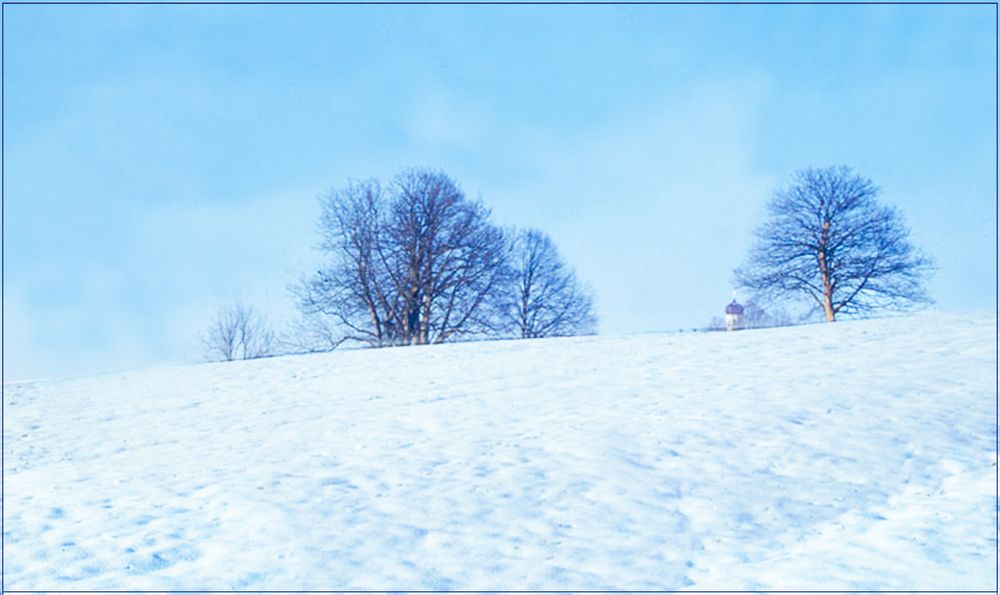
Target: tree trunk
[(824, 273), (827, 301)]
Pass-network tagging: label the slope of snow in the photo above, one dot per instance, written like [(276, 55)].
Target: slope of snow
[(859, 455)]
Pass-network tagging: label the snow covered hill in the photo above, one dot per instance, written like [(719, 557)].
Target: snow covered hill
[(859, 455)]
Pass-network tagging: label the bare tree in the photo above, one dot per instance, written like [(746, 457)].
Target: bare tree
[(828, 238), (548, 299), (238, 332), (416, 264)]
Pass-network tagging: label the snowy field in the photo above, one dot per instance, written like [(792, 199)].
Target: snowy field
[(858, 455)]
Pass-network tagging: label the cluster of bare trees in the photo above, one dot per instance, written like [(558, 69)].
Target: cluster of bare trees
[(411, 265), (417, 262)]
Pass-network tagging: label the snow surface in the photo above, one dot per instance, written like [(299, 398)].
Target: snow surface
[(859, 455)]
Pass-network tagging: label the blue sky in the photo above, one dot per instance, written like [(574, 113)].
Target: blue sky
[(161, 161)]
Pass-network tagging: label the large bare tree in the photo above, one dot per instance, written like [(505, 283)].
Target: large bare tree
[(238, 332), (829, 239), (549, 301), (413, 264)]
